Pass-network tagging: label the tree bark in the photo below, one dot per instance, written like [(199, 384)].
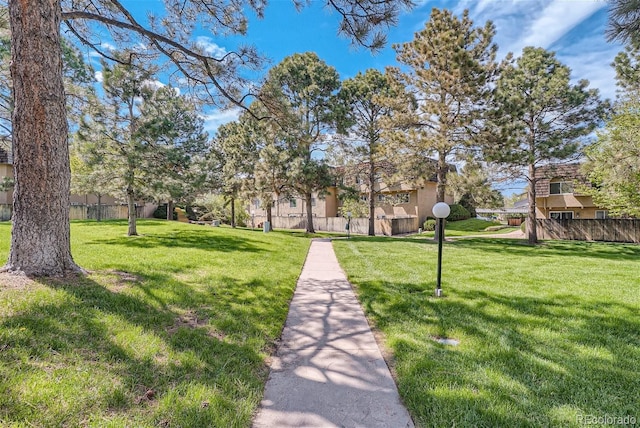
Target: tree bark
[(270, 217), (131, 205), (532, 229), (233, 212), (99, 213), (441, 173), (307, 201), (372, 202), (169, 210), (40, 240)]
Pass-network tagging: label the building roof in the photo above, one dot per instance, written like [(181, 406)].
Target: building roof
[(568, 172), (513, 210)]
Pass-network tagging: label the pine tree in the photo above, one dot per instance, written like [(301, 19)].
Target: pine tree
[(450, 67), (141, 139), (300, 93), (541, 118), (40, 235), (361, 102)]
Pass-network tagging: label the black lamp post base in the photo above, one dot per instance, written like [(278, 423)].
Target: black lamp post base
[(438, 292)]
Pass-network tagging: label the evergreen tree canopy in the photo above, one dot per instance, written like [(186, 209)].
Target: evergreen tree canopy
[(541, 117)]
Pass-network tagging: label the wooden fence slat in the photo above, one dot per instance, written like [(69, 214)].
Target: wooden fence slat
[(358, 226), (609, 229), (85, 212)]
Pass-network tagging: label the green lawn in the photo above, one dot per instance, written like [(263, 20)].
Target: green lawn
[(172, 328), (472, 226), (548, 334)]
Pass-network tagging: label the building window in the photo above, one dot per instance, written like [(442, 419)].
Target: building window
[(313, 202), (364, 198), (558, 187), (293, 203), (358, 179), (382, 198), (273, 204), (377, 177), (601, 214), (256, 203), (403, 198), (561, 215)]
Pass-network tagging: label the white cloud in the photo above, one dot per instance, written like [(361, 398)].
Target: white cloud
[(210, 47), (213, 120), (99, 77), (153, 84), (555, 20)]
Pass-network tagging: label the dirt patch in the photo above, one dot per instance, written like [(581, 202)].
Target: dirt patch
[(118, 281), (190, 319), (16, 281)]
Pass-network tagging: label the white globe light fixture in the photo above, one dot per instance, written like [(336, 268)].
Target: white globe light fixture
[(441, 210)]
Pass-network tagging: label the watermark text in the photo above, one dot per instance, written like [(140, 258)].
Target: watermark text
[(606, 420)]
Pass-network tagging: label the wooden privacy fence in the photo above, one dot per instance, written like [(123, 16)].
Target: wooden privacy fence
[(85, 212), (358, 226), (5, 212), (609, 229), (107, 212)]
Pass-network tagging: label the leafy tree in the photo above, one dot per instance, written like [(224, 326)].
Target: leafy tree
[(237, 150), (270, 169), (450, 67), (541, 117), (40, 242), (363, 114), (613, 162), (218, 207), (624, 20), (300, 92), (176, 131), (472, 188), (87, 179)]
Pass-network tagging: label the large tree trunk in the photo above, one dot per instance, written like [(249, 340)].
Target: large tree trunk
[(372, 202), (307, 201), (40, 241), (131, 205), (532, 229)]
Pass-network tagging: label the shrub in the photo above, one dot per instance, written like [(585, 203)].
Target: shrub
[(161, 212), (458, 212), (429, 225)]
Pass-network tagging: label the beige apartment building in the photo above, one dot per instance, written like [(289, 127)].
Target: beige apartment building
[(557, 195), (403, 200)]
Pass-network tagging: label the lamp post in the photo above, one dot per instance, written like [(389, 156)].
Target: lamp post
[(440, 210), (348, 224), (253, 216)]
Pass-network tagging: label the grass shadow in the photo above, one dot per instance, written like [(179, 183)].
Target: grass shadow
[(523, 361), (124, 357)]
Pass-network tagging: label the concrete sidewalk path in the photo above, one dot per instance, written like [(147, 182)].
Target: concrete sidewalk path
[(328, 370)]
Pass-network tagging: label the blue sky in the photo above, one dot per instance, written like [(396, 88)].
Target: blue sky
[(574, 29)]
